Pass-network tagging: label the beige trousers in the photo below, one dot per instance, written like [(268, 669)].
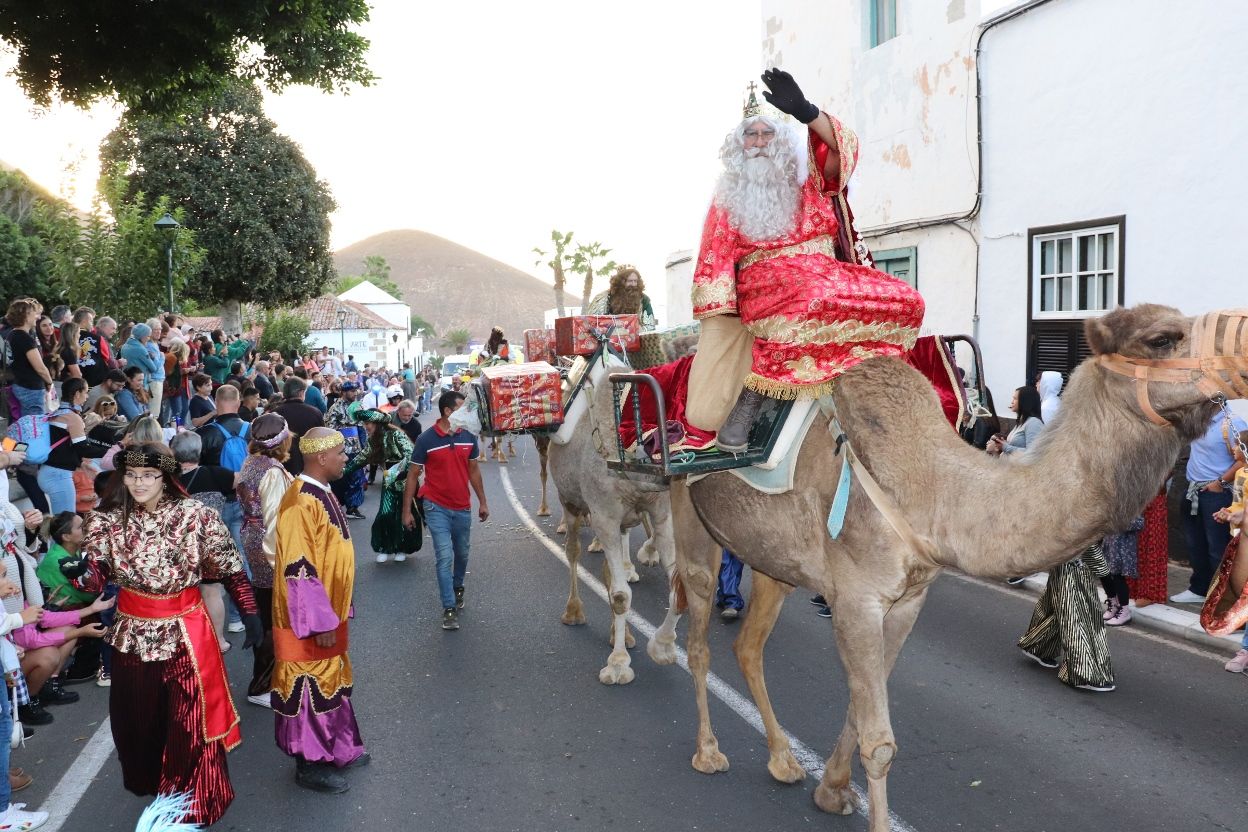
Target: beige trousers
[(719, 369)]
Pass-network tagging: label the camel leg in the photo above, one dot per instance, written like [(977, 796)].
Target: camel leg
[(630, 571), (574, 612), (698, 559), (543, 457), (562, 528), (766, 598), (648, 554), (629, 640), (511, 448), (833, 793), (662, 647), (595, 545), (618, 670)]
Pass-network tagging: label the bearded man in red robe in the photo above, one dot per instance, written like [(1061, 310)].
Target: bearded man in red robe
[(779, 251)]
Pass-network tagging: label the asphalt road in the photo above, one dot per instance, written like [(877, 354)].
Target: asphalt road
[(504, 726)]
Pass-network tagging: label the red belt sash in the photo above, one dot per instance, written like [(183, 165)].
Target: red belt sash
[(221, 721)]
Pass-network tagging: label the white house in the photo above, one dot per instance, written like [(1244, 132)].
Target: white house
[(1090, 195), (358, 331)]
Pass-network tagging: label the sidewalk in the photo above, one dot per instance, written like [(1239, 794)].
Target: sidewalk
[(1179, 620)]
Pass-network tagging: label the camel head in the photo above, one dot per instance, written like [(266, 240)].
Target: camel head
[(1176, 368)]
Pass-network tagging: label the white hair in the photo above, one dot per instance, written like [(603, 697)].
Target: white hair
[(759, 188)]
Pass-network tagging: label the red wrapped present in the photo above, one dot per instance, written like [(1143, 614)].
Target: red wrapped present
[(539, 345), (574, 335), (523, 396)]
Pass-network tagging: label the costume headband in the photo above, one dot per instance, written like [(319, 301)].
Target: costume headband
[(138, 459), (276, 440), (323, 443), (372, 415)]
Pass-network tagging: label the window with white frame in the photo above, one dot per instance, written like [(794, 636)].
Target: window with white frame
[(1075, 271)]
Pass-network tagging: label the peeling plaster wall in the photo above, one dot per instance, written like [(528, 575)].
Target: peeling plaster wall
[(911, 102), (1141, 112)]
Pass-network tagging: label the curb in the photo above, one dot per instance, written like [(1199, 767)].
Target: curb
[(1161, 618)]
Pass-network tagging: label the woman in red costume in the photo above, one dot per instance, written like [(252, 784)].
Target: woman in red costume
[(172, 717), (778, 250)]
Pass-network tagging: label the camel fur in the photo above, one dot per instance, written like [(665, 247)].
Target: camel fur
[(1095, 467)]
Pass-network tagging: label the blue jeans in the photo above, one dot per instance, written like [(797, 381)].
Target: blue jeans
[(6, 730), (729, 592), (1207, 539), (30, 400), (449, 530), (232, 515), (57, 485), (179, 407)]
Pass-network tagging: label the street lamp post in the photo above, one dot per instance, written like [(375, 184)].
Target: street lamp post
[(168, 225), (342, 334)]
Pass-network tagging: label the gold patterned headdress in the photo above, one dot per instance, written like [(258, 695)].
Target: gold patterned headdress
[(323, 443), (754, 108)]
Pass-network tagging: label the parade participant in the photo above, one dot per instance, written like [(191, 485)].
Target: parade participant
[(349, 489), (172, 716), (261, 486), (778, 250), (448, 459), (314, 575), (626, 296), (299, 415), (390, 449)]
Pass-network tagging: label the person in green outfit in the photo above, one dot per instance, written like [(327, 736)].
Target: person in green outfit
[(388, 447), (66, 534)]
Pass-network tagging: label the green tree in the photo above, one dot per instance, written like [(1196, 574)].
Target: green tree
[(23, 269), (422, 327), (157, 57), (376, 272), (285, 332), (559, 261), (456, 340), (248, 192), (583, 264)]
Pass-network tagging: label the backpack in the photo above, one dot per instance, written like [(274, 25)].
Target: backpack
[(34, 431), (234, 450)]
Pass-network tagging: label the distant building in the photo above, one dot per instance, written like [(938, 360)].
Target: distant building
[(360, 331)]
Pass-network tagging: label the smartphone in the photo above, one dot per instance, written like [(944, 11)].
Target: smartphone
[(20, 447)]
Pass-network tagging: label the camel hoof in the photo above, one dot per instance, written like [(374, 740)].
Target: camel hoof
[(573, 616), (648, 554), (633, 577), (562, 528), (710, 762), (543, 512), (616, 674), (594, 546), (785, 768), (836, 800), (662, 652)]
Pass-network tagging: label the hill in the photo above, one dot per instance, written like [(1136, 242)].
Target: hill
[(452, 286)]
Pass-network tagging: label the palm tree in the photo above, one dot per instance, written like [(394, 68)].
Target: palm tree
[(583, 264), (558, 262), (456, 340)]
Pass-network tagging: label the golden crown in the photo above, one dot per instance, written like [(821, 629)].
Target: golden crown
[(754, 108), (322, 443)]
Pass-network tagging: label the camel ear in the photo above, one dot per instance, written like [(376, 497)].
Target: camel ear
[(1101, 335)]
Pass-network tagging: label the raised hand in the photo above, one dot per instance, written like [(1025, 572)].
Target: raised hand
[(785, 95)]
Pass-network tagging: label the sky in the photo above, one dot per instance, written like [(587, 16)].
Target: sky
[(493, 123)]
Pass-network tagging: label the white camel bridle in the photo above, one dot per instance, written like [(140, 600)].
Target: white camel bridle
[(1219, 375)]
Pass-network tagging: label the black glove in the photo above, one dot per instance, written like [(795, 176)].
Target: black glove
[(255, 631), (74, 567), (785, 95)]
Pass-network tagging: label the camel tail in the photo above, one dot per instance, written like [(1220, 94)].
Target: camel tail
[(678, 589)]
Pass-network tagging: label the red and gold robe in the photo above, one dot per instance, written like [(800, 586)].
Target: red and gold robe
[(813, 309)]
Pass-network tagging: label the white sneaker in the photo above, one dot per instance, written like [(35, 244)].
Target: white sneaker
[(236, 627), (399, 558), (261, 699), (20, 821), (1187, 597), (1097, 688), (383, 558), (1122, 616)]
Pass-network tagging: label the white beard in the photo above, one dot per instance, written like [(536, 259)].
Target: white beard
[(760, 192)]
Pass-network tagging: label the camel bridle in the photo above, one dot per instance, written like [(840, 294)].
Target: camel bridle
[(1219, 375)]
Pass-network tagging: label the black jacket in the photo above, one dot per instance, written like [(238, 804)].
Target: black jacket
[(212, 439)]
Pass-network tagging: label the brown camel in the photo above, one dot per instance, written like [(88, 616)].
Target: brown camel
[(1095, 466)]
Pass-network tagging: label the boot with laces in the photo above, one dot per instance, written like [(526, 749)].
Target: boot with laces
[(734, 436), (1111, 608), (1122, 616)]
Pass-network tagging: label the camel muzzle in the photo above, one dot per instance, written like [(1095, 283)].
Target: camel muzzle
[(1218, 367)]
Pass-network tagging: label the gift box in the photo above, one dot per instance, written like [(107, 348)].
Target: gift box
[(539, 345), (664, 346), (574, 335), (522, 396)]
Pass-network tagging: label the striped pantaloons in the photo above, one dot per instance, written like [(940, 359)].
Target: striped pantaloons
[(1067, 623)]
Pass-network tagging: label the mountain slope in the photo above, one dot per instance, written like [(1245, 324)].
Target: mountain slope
[(452, 286)]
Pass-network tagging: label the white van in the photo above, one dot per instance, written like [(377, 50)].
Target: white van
[(453, 365)]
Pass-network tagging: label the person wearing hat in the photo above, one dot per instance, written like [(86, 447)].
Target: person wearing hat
[(390, 449), (135, 353), (349, 488), (394, 395)]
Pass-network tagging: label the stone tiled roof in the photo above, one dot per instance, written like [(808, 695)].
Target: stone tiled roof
[(322, 313)]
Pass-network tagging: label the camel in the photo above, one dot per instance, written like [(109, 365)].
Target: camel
[(611, 506), (1095, 467)]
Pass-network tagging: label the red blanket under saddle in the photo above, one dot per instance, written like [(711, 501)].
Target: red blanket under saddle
[(929, 357)]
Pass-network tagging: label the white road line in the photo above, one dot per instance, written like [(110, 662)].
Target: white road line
[(74, 783), (724, 692)]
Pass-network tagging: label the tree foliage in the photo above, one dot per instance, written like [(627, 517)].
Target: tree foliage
[(422, 327), (23, 268), (456, 340), (376, 272), (583, 264), (252, 198), (560, 262), (286, 333), (158, 57)]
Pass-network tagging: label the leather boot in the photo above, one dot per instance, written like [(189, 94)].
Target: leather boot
[(319, 777), (734, 436)]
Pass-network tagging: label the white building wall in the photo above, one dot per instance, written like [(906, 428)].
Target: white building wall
[(678, 282), (367, 345), (1096, 109)]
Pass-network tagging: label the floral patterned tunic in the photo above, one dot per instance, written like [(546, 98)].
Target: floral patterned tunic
[(161, 552)]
